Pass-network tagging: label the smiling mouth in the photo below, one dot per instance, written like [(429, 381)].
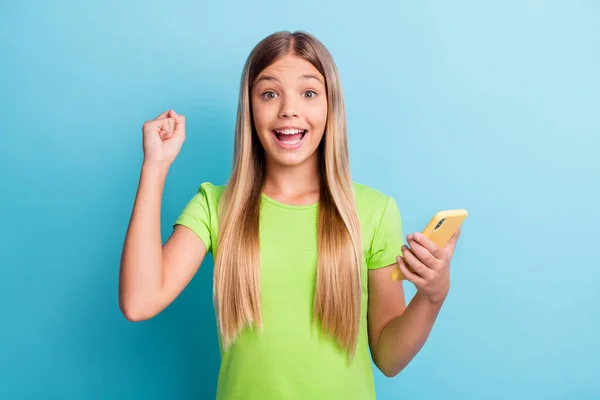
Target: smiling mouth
[(290, 137)]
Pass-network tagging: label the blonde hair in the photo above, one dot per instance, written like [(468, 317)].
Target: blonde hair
[(237, 263)]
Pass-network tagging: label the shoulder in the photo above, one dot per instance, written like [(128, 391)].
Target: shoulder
[(368, 197), (205, 200), (373, 205), (381, 224), (211, 192)]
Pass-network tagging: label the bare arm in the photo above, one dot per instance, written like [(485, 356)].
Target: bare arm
[(152, 275), (396, 332)]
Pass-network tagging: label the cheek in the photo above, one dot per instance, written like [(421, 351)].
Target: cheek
[(255, 111), (262, 116), (318, 116)]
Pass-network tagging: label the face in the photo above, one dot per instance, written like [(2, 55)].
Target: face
[(289, 104)]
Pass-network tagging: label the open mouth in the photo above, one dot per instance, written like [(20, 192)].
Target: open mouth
[(290, 137)]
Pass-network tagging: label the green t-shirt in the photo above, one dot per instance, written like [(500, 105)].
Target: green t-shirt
[(292, 358)]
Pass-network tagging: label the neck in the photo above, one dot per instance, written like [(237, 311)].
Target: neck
[(292, 180)]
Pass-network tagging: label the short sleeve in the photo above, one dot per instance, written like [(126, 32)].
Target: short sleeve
[(388, 239), (196, 216)]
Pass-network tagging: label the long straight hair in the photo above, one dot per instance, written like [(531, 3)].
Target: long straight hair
[(236, 289)]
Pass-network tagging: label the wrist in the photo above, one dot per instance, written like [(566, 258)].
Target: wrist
[(434, 300), (154, 170), (156, 166)]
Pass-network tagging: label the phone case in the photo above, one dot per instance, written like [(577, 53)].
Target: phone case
[(439, 230)]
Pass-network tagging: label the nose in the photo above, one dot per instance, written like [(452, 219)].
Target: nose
[(289, 108)]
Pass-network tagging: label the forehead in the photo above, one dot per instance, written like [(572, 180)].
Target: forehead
[(291, 68)]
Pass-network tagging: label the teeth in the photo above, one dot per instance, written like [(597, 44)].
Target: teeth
[(290, 131), (291, 142)]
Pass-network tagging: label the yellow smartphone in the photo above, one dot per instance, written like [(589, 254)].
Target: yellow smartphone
[(439, 230)]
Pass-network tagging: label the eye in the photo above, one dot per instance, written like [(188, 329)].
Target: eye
[(267, 95), (313, 93)]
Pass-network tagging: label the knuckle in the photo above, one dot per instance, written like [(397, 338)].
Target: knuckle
[(444, 254), (428, 258), (425, 258)]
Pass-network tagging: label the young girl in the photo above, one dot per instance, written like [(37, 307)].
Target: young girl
[(303, 255)]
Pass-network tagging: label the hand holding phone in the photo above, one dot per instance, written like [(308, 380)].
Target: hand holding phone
[(439, 230)]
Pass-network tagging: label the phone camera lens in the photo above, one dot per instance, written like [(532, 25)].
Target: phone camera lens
[(439, 224)]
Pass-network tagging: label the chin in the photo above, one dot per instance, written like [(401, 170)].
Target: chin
[(290, 160)]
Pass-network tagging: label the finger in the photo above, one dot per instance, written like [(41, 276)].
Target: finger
[(165, 127), (174, 115), (433, 248), (410, 276), (167, 124), (423, 254), (165, 135), (452, 242), (163, 115), (421, 269), (179, 122)]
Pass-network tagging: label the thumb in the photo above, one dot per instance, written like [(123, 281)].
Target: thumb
[(451, 244), (165, 125), (174, 115), (179, 123)]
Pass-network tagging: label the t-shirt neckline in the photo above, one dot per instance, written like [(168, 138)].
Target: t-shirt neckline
[(288, 206)]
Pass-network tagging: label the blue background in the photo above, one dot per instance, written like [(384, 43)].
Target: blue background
[(490, 106)]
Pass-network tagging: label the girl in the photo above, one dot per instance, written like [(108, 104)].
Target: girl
[(303, 255)]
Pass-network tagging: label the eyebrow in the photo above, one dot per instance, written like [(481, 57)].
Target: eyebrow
[(272, 78)]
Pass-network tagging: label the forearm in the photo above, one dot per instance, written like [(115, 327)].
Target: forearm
[(404, 336), (141, 273)]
